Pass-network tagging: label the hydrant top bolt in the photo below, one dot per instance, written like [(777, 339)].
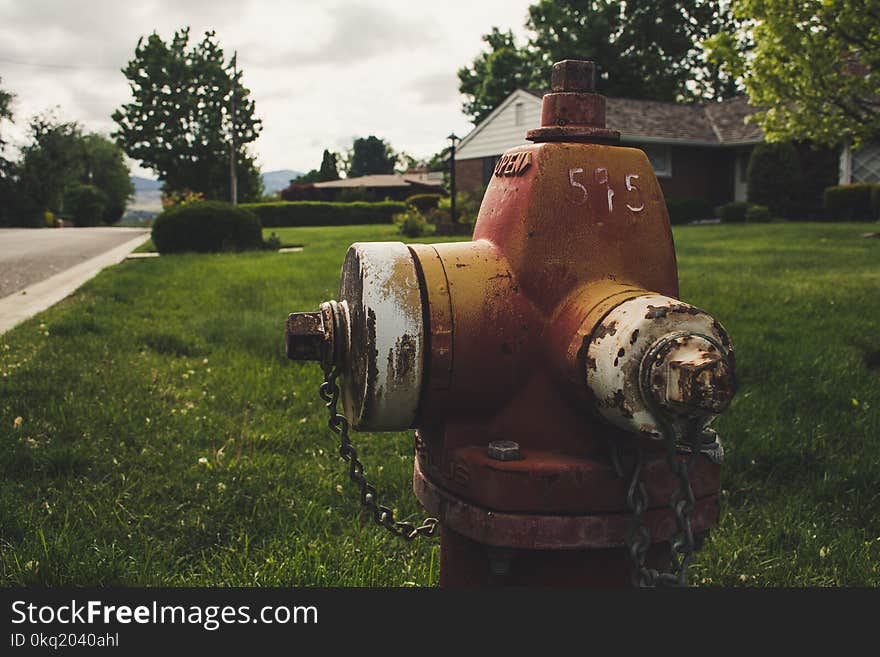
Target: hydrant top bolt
[(504, 450), (572, 75)]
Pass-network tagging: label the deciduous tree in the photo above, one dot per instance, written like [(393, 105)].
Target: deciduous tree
[(371, 155), (180, 122), (814, 65), (645, 50)]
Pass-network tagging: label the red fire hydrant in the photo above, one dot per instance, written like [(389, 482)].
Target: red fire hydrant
[(560, 391)]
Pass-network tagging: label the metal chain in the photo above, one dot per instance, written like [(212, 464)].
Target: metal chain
[(682, 502), (382, 515)]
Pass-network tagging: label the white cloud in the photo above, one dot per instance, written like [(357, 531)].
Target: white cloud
[(320, 72)]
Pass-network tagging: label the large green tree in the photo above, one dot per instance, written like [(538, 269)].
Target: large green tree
[(6, 183), (50, 162), (104, 167), (814, 65), (370, 155), (642, 49), (181, 122), (58, 158), (5, 115)]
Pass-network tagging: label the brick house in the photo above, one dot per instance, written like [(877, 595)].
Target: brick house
[(696, 150)]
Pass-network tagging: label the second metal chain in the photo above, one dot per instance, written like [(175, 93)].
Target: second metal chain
[(382, 515)]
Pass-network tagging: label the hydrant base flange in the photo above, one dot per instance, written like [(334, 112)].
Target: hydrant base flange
[(551, 532)]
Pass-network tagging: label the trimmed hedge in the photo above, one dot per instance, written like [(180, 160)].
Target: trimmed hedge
[(758, 214), (875, 201), (324, 213), (206, 227), (685, 209), (851, 202), (734, 213)]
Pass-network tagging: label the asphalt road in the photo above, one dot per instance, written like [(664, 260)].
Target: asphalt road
[(30, 255)]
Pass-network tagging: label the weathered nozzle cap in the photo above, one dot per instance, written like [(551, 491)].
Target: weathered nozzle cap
[(654, 355), (374, 336)]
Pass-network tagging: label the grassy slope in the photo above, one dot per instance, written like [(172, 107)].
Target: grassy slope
[(159, 363)]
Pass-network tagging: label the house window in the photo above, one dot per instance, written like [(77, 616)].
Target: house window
[(661, 159), (518, 113)]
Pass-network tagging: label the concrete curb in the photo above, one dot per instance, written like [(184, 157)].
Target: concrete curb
[(26, 303)]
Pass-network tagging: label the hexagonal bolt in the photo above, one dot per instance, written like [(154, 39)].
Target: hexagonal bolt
[(504, 450), (573, 75), (309, 336), (693, 377)]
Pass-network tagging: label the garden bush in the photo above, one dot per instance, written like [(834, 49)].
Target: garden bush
[(775, 178), (207, 227), (875, 201), (84, 204), (851, 202), (733, 213), (423, 202), (685, 209), (413, 223), (758, 214), (324, 213)]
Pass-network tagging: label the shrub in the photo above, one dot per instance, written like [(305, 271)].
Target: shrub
[(685, 209), (323, 213), (207, 227), (875, 201), (424, 202), (733, 213), (850, 202), (756, 214), (412, 223), (84, 204), (467, 208), (775, 178)]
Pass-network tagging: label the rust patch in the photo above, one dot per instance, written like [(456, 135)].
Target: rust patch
[(402, 358), (619, 402), (656, 312), (605, 329)]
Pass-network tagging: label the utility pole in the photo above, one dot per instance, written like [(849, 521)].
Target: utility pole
[(233, 177)]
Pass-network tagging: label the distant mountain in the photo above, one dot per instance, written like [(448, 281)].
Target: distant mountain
[(145, 184), (148, 193), (275, 181)]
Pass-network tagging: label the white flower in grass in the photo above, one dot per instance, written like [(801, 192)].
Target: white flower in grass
[(16, 423), (203, 460)]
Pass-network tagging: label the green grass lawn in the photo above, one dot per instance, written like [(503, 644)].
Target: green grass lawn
[(165, 439)]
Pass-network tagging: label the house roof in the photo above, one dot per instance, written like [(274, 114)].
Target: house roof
[(719, 123), (379, 180)]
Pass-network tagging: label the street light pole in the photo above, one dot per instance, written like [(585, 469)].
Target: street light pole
[(453, 139)]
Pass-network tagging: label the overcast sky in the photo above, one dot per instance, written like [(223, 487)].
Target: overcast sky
[(320, 71)]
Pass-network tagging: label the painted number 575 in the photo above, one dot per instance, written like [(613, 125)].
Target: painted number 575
[(601, 179)]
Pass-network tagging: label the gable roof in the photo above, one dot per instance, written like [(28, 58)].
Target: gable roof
[(711, 124), (378, 180)]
